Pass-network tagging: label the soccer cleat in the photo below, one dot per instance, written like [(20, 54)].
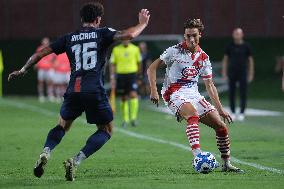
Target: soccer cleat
[(70, 169), (40, 163), (134, 123), (241, 117), (228, 167)]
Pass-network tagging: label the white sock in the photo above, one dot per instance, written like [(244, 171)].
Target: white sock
[(79, 157)]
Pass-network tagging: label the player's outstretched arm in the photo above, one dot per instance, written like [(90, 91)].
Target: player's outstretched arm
[(213, 94), (31, 61), (152, 77), (134, 31)]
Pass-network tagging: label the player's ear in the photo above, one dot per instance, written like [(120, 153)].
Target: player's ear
[(98, 20), (200, 35)]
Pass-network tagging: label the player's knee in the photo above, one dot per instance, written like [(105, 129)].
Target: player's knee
[(107, 128), (133, 94), (65, 124), (222, 129)]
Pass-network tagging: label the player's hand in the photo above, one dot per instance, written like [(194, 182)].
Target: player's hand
[(144, 16), (15, 74), (226, 116), (154, 97)]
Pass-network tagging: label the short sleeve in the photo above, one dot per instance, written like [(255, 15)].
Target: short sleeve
[(108, 34), (59, 46), (167, 55), (206, 70)]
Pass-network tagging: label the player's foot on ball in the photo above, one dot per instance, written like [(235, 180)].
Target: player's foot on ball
[(70, 169), (40, 164), (228, 167), (134, 123)]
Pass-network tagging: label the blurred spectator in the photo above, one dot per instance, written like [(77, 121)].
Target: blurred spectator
[(45, 73), (61, 75), (1, 71), (279, 68), (238, 67), (146, 61), (125, 63)]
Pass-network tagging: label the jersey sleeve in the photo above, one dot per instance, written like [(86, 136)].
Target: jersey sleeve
[(249, 50), (206, 70), (227, 50), (59, 46), (167, 55), (108, 34)]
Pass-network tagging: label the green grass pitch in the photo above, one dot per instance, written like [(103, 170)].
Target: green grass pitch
[(149, 156)]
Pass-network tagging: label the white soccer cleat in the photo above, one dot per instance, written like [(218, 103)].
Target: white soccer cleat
[(40, 164), (233, 116), (70, 169), (228, 167)]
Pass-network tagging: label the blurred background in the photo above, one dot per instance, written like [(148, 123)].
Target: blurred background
[(25, 22)]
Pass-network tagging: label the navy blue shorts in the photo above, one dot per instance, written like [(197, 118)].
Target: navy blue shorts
[(126, 83), (95, 106)]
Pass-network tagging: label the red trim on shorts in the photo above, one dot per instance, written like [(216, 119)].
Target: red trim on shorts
[(77, 85), (207, 76), (203, 115)]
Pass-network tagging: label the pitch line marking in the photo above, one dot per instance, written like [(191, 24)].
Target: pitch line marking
[(43, 111)]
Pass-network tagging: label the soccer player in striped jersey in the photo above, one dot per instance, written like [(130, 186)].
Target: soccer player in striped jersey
[(86, 49), (185, 63)]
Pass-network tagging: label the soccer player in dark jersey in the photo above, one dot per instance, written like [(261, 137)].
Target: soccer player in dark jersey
[(86, 49)]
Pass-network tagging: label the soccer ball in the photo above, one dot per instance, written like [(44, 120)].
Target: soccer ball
[(204, 162)]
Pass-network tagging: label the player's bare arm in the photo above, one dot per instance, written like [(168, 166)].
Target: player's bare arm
[(31, 61), (151, 72), (250, 69), (134, 31), (213, 94)]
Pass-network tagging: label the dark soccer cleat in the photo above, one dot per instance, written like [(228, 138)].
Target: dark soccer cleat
[(228, 167), (134, 123), (40, 164), (70, 169)]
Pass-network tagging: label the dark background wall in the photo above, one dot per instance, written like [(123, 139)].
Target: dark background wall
[(24, 22), (32, 19)]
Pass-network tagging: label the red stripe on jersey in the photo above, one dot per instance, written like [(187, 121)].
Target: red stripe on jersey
[(207, 76), (171, 89), (77, 85)]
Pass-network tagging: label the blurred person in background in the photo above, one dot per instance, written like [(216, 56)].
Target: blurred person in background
[(146, 61), (279, 68), (61, 75), (45, 73), (125, 64), (238, 67)]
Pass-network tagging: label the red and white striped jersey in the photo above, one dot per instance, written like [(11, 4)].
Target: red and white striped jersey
[(184, 69)]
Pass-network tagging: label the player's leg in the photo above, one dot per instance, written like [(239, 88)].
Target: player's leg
[(232, 96), (243, 97), (213, 120), (40, 85), (134, 107), (189, 113), (50, 85), (54, 137), (70, 110), (99, 112), (124, 106), (131, 89)]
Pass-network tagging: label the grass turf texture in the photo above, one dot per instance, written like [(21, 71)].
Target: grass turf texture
[(127, 162)]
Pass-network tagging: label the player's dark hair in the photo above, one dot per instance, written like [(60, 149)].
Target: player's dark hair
[(90, 11), (194, 23)]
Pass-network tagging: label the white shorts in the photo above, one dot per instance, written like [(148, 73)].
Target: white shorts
[(61, 78), (177, 99), (45, 75)]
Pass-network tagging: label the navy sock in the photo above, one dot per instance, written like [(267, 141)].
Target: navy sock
[(54, 137), (95, 142)]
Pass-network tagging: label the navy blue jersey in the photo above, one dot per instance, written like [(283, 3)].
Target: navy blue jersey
[(86, 50)]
